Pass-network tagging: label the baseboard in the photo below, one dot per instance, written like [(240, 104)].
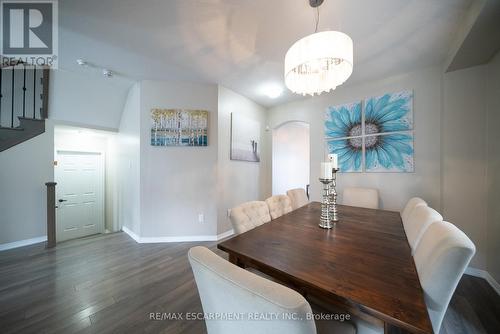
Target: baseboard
[(131, 234), (188, 238), (225, 234), (486, 275), (22, 243)]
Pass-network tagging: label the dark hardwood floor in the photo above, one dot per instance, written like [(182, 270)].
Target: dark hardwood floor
[(111, 284)]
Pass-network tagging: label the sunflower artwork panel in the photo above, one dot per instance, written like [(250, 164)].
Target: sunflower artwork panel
[(390, 112), (344, 121), (349, 151), (391, 152)]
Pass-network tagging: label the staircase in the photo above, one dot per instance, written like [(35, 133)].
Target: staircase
[(23, 103)]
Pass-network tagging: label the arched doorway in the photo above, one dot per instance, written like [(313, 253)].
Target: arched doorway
[(291, 156)]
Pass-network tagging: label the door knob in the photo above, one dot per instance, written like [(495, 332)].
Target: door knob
[(62, 200)]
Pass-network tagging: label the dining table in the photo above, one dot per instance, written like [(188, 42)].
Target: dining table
[(363, 265)]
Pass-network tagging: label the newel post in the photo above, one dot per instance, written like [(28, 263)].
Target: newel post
[(51, 214)]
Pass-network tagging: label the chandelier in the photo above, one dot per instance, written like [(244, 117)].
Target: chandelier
[(319, 62)]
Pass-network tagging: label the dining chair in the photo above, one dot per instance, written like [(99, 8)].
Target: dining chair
[(249, 215), (361, 197), (441, 258), (419, 220), (298, 198), (410, 205), (279, 205), (230, 291)]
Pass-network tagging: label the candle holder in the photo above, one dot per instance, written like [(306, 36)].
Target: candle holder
[(334, 213), (326, 212)]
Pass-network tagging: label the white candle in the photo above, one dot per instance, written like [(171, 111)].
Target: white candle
[(334, 158), (326, 170)]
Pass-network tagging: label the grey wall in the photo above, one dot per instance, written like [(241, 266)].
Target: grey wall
[(395, 189), (24, 169), (178, 183), (240, 181), (493, 171), (465, 158), (128, 153), (87, 98)]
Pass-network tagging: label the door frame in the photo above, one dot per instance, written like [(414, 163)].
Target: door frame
[(102, 181)]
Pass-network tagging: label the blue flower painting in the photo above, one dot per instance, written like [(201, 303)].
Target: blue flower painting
[(343, 121), (389, 152), (389, 113), (376, 138), (350, 153)]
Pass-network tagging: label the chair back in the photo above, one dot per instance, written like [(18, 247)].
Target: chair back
[(249, 215), (298, 198), (419, 220), (228, 290), (361, 197), (410, 205), (441, 257), (279, 205)]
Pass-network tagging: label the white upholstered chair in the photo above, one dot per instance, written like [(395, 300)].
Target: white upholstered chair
[(419, 220), (297, 197), (279, 205), (441, 257), (249, 215), (226, 289), (361, 197), (410, 205)]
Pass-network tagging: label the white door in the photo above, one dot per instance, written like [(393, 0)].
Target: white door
[(79, 194)]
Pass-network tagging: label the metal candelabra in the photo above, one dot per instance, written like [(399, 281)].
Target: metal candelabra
[(329, 212)]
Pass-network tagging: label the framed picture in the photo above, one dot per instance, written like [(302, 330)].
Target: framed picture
[(245, 138), (179, 127)]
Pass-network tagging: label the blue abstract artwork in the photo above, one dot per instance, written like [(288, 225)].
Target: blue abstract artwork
[(375, 136)]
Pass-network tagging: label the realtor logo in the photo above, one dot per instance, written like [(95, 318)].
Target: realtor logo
[(29, 32)]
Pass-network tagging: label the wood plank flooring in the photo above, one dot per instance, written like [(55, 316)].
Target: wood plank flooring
[(111, 284)]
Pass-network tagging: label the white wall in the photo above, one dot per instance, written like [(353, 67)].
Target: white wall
[(178, 183), (24, 170), (128, 154), (291, 155), (239, 181), (465, 159), (87, 98), (395, 189)]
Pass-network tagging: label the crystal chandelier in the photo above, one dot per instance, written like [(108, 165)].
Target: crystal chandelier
[(319, 62)]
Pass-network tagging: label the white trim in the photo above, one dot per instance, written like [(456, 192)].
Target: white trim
[(225, 234), (485, 275), (22, 243), (188, 238), (131, 234)]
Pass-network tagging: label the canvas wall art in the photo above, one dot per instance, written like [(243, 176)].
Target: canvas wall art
[(376, 136), (245, 138), (179, 127)]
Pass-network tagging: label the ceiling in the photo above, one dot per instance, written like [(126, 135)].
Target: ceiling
[(241, 44)]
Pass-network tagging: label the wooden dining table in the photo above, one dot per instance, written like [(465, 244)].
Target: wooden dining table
[(363, 265)]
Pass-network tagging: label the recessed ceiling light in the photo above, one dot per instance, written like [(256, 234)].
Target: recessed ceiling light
[(107, 73), (81, 62), (272, 91)]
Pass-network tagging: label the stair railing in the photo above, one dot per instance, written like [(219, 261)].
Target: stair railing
[(31, 83)]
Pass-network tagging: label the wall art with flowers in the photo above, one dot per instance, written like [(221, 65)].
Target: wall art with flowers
[(375, 135)]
